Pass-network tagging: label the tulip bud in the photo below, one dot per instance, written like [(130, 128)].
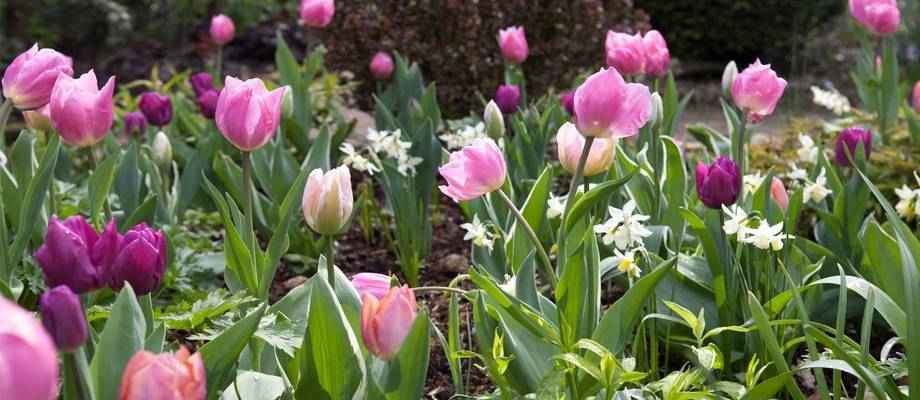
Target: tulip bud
[(140, 259), (207, 103), (657, 109), (657, 56), (513, 43), (287, 106), (135, 123), (881, 17), (606, 106), (728, 77), (156, 107), (39, 120), (495, 121), (81, 114), (316, 13), (369, 283), (71, 254), (567, 99), (28, 359), (201, 82), (570, 144), (718, 184), (779, 194), (757, 90), (474, 170), (382, 66), (63, 317), (29, 79), (847, 145), (162, 150), (247, 113), (625, 52), (328, 200), (508, 98), (915, 99), (222, 29), (166, 376), (386, 323)]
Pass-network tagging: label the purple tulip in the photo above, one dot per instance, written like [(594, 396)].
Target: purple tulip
[(718, 184), (201, 82), (847, 142), (71, 255), (135, 123), (30, 78), (207, 103), (567, 99), (140, 260), (508, 98), (156, 107), (63, 317), (28, 360)]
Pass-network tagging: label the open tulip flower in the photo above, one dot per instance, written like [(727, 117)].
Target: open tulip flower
[(247, 113), (179, 376), (80, 111), (757, 90), (513, 43), (625, 52), (385, 323), (28, 358), (881, 17), (30, 78), (473, 171), (608, 107)]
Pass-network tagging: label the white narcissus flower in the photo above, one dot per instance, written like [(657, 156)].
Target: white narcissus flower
[(906, 206), (623, 228), (831, 100), (626, 263), (555, 206), (752, 182), (808, 152), (478, 233), (816, 191), (765, 236), (797, 174), (355, 160), (735, 222), (2, 159)]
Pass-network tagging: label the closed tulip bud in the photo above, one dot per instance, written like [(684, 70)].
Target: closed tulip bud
[(718, 184), (569, 145), (382, 66), (162, 149), (166, 376), (201, 82), (757, 90), (63, 317), (881, 17), (140, 260), (474, 170), (39, 120), (385, 323), (30, 78), (915, 99), (28, 359), (625, 52), (495, 121), (316, 13), (71, 255), (513, 43), (247, 113), (657, 56), (156, 107), (567, 99), (207, 103), (369, 283), (848, 143), (287, 106), (728, 77), (606, 106), (222, 29), (135, 123), (508, 98), (657, 109), (328, 200), (80, 112), (778, 193)]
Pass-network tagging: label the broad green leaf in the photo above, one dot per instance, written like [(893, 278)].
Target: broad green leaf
[(220, 355), (123, 335), (771, 344), (592, 198), (100, 183), (34, 202), (404, 376), (254, 386), (534, 212)]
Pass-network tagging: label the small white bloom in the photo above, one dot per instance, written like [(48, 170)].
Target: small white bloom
[(752, 182), (808, 153), (377, 139), (556, 206), (478, 233), (797, 174), (907, 207), (831, 100), (626, 263), (764, 236), (735, 223), (2, 159), (464, 136), (406, 164), (816, 191), (355, 160), (623, 228), (509, 286)]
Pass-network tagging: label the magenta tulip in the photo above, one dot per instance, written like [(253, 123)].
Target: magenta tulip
[(508, 98), (625, 52), (382, 66), (207, 103), (166, 376), (140, 260), (72, 254), (38, 119), (569, 145), (657, 56), (316, 13), (757, 90), (201, 82), (567, 99), (135, 123), (513, 43), (385, 323), (719, 183), (247, 113), (369, 283), (606, 106), (474, 170), (80, 111), (848, 143), (157, 108), (222, 29), (915, 98), (881, 17), (30, 78), (62, 316), (328, 200), (28, 359)]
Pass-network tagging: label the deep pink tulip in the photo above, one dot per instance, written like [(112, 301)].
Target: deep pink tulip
[(569, 145), (39, 119), (382, 66), (757, 90), (80, 111), (247, 113), (29, 79), (513, 43), (474, 170), (157, 108), (140, 260), (201, 82), (222, 29), (385, 323), (778, 193), (369, 283), (881, 17), (719, 183), (73, 254), (508, 98), (166, 376), (135, 123), (915, 99), (606, 106), (207, 103), (28, 359), (567, 99), (625, 52), (848, 143), (657, 56), (62, 316), (316, 13), (328, 200)]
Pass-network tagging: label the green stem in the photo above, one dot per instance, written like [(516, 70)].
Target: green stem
[(220, 61), (541, 252), (330, 260), (741, 161), (247, 186), (422, 289), (579, 172), (5, 110)]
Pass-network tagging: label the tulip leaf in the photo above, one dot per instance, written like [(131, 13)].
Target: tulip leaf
[(674, 191), (318, 157), (404, 376), (220, 355), (143, 213), (123, 335), (534, 212), (128, 179), (34, 201), (100, 183), (771, 344), (578, 293), (254, 386), (280, 242), (593, 197)]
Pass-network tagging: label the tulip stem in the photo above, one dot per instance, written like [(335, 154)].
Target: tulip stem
[(741, 161), (220, 61), (573, 187), (541, 252), (330, 260), (5, 110), (422, 289)]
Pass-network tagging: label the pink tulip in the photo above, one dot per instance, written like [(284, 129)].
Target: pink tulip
[(756, 91), (39, 120), (881, 17), (474, 170), (606, 106), (179, 376), (915, 101), (316, 13), (328, 200), (569, 144), (29, 79), (222, 29), (625, 52), (28, 358), (369, 283), (382, 66), (513, 43), (657, 56), (386, 323), (247, 113), (82, 113), (778, 193)]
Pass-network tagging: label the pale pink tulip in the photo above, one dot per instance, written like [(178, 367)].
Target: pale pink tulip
[(474, 170), (369, 283), (778, 193), (513, 43), (328, 200), (80, 111), (316, 13), (29, 79), (166, 376), (222, 29), (881, 17), (247, 113), (657, 56), (39, 119), (569, 145), (385, 323), (28, 358), (606, 106), (625, 52), (757, 90)]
